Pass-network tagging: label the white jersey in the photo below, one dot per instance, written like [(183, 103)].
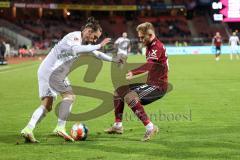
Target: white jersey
[(62, 56), (234, 40), (123, 45), (65, 50)]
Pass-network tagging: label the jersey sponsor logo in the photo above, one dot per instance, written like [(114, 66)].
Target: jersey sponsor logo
[(123, 45), (152, 53), (65, 54)]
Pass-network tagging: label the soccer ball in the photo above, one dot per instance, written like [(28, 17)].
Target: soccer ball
[(79, 132)]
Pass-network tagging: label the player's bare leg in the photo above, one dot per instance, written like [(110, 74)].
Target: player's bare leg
[(64, 110), (38, 115)]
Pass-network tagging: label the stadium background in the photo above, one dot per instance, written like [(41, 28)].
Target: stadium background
[(198, 119), (40, 24)]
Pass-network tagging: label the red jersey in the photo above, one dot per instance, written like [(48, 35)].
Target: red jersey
[(217, 41), (156, 65)]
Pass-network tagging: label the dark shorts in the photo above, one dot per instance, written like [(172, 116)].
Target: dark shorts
[(218, 49), (146, 93)]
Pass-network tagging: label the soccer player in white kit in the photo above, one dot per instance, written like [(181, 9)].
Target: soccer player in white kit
[(123, 46), (233, 42), (69, 49)]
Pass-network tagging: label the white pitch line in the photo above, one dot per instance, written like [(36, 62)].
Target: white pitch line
[(4, 67), (17, 69)]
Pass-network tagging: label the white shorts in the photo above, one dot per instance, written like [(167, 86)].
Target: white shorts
[(44, 88), (46, 91)]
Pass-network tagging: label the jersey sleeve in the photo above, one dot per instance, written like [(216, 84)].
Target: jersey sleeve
[(142, 69), (74, 41), (153, 57), (102, 56), (81, 49)]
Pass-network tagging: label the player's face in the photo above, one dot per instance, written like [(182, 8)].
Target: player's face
[(145, 39), (91, 37)]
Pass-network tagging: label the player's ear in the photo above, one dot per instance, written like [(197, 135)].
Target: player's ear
[(150, 35)]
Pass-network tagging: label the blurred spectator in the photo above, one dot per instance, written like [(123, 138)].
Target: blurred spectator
[(2, 51), (7, 49)]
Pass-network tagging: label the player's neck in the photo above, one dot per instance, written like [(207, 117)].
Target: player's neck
[(152, 38)]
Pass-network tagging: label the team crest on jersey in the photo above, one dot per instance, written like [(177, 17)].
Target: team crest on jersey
[(76, 39)]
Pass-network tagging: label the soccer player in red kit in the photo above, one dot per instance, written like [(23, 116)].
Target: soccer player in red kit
[(137, 95), (217, 42)]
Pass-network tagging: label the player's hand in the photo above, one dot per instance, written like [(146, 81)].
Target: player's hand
[(117, 60), (129, 75), (105, 41)]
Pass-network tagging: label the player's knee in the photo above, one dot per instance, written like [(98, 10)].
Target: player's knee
[(48, 107), (115, 93), (69, 97), (47, 102), (130, 96)]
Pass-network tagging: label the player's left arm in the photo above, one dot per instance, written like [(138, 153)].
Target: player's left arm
[(86, 49), (153, 57), (105, 57)]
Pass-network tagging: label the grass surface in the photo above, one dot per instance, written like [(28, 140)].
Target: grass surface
[(198, 119)]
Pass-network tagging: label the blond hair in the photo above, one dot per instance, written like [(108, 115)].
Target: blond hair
[(146, 28)]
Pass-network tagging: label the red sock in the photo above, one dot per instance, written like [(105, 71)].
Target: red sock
[(119, 106), (139, 111)]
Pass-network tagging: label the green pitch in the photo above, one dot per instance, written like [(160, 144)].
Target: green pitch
[(198, 119)]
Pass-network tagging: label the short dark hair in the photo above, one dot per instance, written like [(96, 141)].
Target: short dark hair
[(93, 24)]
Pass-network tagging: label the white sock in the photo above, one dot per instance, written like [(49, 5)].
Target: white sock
[(149, 126), (64, 110), (37, 116), (117, 124)]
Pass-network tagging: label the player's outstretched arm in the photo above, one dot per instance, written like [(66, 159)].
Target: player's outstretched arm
[(102, 56), (105, 57), (80, 49)]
